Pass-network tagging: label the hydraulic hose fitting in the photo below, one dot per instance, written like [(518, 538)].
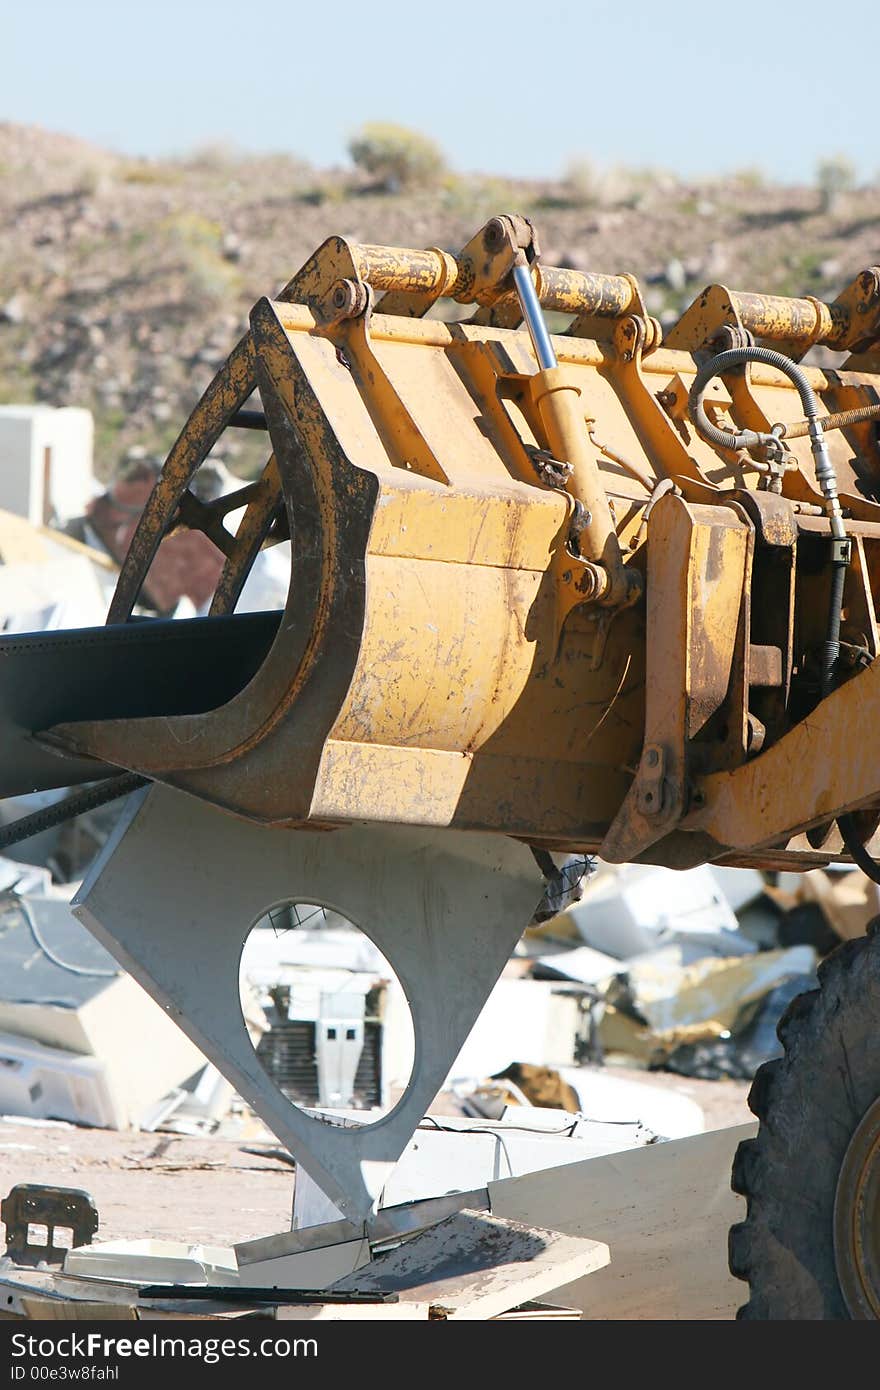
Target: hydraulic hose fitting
[(826, 477)]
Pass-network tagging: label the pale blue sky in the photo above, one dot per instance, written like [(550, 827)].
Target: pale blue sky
[(511, 88)]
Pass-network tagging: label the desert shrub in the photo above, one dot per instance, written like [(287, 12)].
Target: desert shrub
[(478, 195), (214, 156), (198, 243), (396, 157), (834, 176), (146, 171), (750, 176), (588, 186), (584, 183)]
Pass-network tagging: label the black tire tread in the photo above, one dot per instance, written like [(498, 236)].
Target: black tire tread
[(808, 1103)]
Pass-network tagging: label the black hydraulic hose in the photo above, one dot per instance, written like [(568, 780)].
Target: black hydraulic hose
[(737, 357), (749, 439), (831, 645), (248, 420), (825, 476), (855, 847)]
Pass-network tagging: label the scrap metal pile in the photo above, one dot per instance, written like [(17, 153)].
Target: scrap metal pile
[(592, 592)]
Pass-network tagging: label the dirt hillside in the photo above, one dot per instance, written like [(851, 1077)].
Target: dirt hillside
[(123, 283)]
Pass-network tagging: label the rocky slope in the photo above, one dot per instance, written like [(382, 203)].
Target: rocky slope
[(123, 283)]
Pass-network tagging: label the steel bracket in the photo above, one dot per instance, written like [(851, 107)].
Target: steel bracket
[(176, 890), (57, 1208)]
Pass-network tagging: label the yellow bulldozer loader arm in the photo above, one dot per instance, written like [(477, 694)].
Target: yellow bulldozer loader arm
[(527, 595)]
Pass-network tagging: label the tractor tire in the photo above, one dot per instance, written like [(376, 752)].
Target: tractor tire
[(809, 1247)]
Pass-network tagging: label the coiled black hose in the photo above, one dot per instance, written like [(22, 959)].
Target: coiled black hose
[(825, 475), (752, 439)]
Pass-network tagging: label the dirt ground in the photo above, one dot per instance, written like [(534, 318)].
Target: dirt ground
[(722, 1102), (209, 1189), (158, 1185)]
